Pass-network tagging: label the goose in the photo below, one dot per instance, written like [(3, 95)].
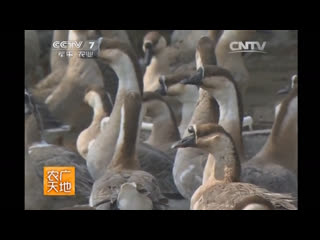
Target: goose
[(189, 163), (222, 190), (137, 200), (294, 82), (169, 86), (124, 62), (110, 77), (108, 191), (219, 82), (156, 59), (38, 153), (161, 59), (66, 101), (96, 98), (279, 155), (188, 95), (164, 131), (270, 168)]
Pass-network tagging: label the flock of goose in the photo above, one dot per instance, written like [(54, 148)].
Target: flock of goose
[(89, 113)]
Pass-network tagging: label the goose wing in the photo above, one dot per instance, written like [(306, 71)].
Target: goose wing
[(227, 196)]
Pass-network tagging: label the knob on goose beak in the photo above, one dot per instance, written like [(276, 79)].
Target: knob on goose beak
[(163, 89), (284, 90), (189, 141), (195, 79), (96, 47), (148, 54)]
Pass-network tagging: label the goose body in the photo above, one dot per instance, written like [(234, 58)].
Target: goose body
[(66, 101), (279, 155), (164, 131), (39, 155), (125, 64), (268, 168), (221, 189), (124, 167), (189, 163), (94, 98)]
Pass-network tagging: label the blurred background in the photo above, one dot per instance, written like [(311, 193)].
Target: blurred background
[(268, 72)]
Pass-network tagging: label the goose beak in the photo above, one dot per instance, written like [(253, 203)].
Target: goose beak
[(195, 79), (148, 54), (97, 46), (188, 141), (162, 90), (284, 90)]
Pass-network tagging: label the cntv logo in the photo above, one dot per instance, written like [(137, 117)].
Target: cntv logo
[(248, 46)]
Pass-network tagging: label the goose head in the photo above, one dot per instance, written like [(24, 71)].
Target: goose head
[(129, 198), (153, 43), (170, 84), (211, 78), (205, 52), (209, 137), (122, 59), (97, 98), (294, 84)]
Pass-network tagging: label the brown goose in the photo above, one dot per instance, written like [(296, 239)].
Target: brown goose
[(39, 154), (124, 168), (66, 101), (279, 156), (164, 131), (170, 84), (96, 98), (221, 189), (189, 163), (124, 62), (270, 167)]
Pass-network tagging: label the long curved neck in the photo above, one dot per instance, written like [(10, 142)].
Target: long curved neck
[(206, 110), (223, 164), (164, 128), (189, 100), (230, 117), (159, 66), (128, 82), (98, 114), (125, 153), (281, 146)]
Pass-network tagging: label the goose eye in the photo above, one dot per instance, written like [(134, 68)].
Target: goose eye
[(190, 129)]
